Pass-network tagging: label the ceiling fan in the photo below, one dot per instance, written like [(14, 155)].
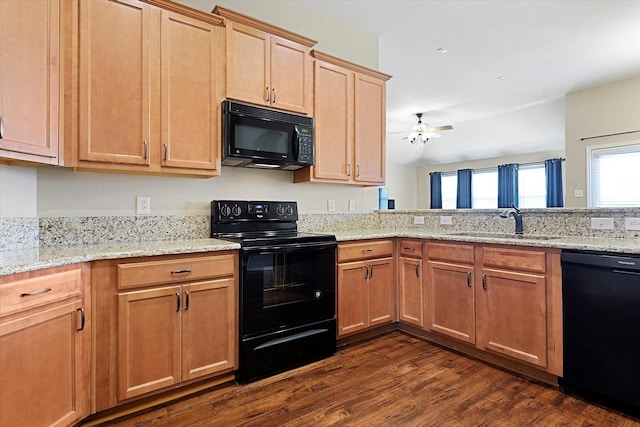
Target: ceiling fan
[(422, 132)]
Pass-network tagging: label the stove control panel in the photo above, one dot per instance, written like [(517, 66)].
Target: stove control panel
[(253, 211)]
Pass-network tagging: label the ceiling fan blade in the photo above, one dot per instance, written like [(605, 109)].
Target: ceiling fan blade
[(440, 128)]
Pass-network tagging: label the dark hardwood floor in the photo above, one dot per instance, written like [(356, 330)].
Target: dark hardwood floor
[(393, 380)]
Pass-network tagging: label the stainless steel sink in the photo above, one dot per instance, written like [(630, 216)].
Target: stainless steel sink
[(503, 235)]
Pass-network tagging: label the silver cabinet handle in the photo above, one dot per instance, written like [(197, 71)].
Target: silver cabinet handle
[(468, 278), (348, 169), (166, 152), (357, 171), (484, 282), (145, 150), (177, 301), (370, 271), (407, 248), (186, 300), (268, 95), (1, 127), (35, 293), (417, 270), (274, 95), (366, 272), (183, 271), (81, 310), (367, 250)]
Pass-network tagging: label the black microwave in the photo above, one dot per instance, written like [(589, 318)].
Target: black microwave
[(264, 138)]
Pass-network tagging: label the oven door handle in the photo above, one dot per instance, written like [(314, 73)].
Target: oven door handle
[(291, 247)]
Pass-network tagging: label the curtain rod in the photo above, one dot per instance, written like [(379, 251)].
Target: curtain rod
[(610, 134), (495, 167)]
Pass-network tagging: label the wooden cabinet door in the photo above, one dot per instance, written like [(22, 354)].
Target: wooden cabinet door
[(512, 315), (352, 298), (410, 291), (333, 113), (451, 300), (290, 71), (29, 79), (190, 115), (248, 59), (369, 116), (381, 291), (148, 340), (208, 328), (41, 368), (115, 81)]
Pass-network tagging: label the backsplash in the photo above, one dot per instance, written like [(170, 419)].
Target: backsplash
[(21, 233)]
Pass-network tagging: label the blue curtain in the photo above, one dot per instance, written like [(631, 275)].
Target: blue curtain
[(436, 190), (553, 169), (463, 198), (508, 185)]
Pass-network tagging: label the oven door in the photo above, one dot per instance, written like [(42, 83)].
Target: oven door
[(285, 286)]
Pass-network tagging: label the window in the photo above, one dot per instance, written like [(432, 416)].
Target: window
[(614, 175), (532, 190), (449, 190), (484, 189)]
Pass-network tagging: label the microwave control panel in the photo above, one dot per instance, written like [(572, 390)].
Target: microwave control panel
[(305, 144), (242, 210)]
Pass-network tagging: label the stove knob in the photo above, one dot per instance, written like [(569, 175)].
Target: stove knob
[(317, 294), (289, 210), (225, 210), (236, 210), (280, 210)]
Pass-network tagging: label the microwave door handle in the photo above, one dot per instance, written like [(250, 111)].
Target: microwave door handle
[(296, 143)]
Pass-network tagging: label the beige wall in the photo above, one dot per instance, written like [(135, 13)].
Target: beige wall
[(424, 193), (607, 109), (18, 186)]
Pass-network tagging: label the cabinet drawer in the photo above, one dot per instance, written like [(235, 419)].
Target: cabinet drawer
[(516, 259), (138, 274), (410, 248), (37, 291), (364, 250), (458, 252)]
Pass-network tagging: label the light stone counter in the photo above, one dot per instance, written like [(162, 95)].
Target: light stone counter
[(620, 245), (20, 260)]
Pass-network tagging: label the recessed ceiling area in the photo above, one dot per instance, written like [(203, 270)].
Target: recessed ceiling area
[(507, 67)]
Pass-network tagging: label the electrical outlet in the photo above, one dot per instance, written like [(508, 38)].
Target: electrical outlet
[(143, 205), (352, 205), (446, 220), (418, 220), (578, 193), (331, 205), (632, 223), (602, 223)]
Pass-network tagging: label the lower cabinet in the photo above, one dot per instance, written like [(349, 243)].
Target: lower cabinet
[(450, 290), (171, 319), (366, 285), (44, 347), (410, 282)]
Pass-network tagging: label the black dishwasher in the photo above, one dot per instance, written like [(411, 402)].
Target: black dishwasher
[(601, 317)]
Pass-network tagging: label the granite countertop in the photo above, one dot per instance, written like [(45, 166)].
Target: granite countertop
[(621, 245), (21, 260), (17, 261)]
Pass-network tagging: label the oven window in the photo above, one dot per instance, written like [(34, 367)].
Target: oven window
[(287, 288)]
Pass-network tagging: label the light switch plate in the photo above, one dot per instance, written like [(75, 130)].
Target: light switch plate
[(632, 223), (446, 220), (331, 205), (352, 205), (602, 223)]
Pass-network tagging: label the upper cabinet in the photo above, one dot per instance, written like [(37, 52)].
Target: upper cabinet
[(350, 115), (30, 85), (149, 98), (267, 65)]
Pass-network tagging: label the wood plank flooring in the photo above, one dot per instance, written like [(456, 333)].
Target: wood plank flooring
[(393, 380)]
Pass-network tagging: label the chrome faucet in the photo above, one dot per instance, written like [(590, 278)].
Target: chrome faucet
[(516, 215)]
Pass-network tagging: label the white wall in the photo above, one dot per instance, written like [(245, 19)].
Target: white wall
[(603, 110), (18, 186)]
